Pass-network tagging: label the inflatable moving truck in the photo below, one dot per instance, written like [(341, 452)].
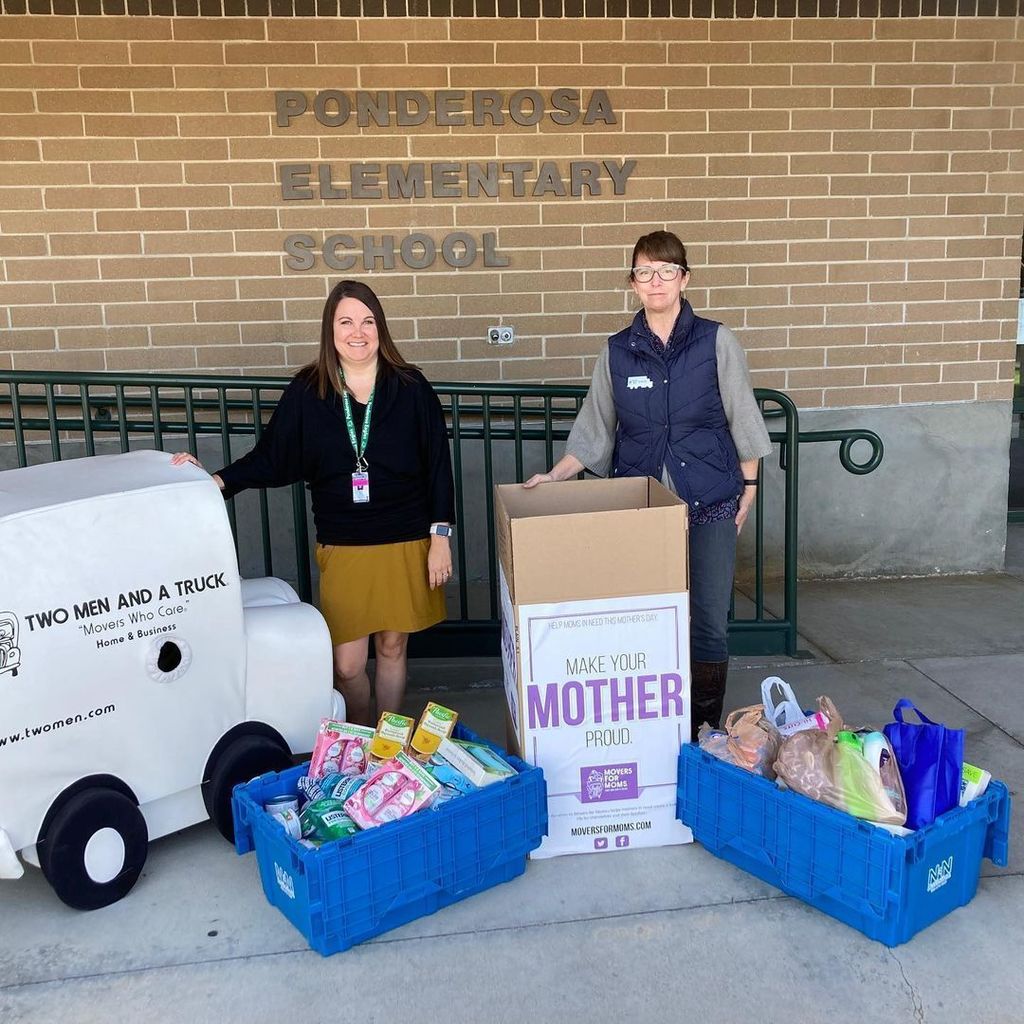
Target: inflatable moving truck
[(140, 678)]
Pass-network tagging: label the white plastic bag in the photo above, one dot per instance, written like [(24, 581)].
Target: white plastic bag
[(787, 710), (787, 716)]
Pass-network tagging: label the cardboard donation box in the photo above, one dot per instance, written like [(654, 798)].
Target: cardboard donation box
[(595, 649)]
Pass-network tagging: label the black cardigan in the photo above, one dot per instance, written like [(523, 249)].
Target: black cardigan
[(409, 462)]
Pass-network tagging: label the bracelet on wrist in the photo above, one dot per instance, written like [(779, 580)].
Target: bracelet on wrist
[(749, 483)]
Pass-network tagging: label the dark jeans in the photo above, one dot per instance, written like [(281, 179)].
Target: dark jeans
[(712, 566)]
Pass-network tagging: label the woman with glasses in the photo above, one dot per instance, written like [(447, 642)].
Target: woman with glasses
[(671, 398), (366, 431)]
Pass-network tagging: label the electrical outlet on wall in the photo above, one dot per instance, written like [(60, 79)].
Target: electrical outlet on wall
[(501, 335)]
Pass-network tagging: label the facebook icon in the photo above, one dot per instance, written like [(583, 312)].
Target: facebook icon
[(621, 841)]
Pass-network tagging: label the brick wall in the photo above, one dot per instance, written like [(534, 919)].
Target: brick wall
[(849, 190)]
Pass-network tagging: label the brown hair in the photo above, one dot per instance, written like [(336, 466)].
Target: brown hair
[(660, 245), (325, 368)]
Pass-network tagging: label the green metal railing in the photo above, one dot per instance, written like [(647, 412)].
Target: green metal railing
[(498, 433)]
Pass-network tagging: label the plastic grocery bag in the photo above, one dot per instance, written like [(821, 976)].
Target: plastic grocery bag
[(786, 714), (811, 762), (931, 760), (748, 741)]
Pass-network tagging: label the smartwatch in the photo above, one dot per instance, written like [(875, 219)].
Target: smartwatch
[(441, 529)]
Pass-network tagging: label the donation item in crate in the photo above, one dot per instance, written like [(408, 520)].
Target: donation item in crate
[(353, 888), (887, 886)]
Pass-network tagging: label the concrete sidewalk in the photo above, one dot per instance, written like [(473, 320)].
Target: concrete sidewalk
[(665, 934)]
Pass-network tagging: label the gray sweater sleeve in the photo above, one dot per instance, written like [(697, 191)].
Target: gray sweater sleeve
[(592, 438), (746, 424)]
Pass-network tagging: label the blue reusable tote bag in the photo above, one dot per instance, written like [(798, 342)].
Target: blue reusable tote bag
[(931, 761)]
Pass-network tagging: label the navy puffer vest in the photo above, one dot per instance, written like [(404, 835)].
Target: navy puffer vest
[(670, 411)]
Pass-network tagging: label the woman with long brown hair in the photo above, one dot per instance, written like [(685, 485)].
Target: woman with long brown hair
[(365, 430)]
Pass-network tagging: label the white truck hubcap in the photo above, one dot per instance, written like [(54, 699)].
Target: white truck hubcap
[(104, 855)]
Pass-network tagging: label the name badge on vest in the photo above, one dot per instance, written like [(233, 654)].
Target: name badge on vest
[(633, 383)]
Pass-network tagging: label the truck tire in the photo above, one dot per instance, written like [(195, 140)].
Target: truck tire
[(94, 848), (243, 759)]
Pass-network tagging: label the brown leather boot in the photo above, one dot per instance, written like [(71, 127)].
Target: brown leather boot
[(707, 694)]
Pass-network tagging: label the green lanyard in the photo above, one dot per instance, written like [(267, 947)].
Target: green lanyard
[(360, 447)]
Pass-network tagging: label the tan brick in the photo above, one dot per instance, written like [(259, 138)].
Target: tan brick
[(866, 396), (549, 369), (234, 28), (43, 125), (26, 294), (186, 243), (770, 316), (936, 393), (249, 358), (236, 266), (740, 75), (933, 312), (151, 150), (1001, 392), (76, 53), (952, 96), (223, 125), (984, 74), (910, 163), (372, 29), (804, 336), (794, 97), (876, 313), (656, 28), (31, 27), (785, 358), (95, 292), (646, 52), (106, 244), (800, 252), (797, 52), (582, 76), (828, 377), (926, 291), (743, 29), (869, 185), (787, 230), (818, 294), (788, 273), (511, 77), (687, 53), (228, 220), (56, 315), (180, 101), (973, 371), (787, 142), (83, 100), (830, 120), (130, 126), (970, 330), (480, 147), (143, 267), (914, 74), (17, 102), (723, 98), (103, 337), (141, 220), (150, 313), (136, 174), (184, 196), (151, 359), (828, 163), (748, 120), (19, 149), (902, 374), (184, 335), (57, 198), (418, 77), (216, 77), (497, 28), (997, 119), (833, 74), (82, 361)]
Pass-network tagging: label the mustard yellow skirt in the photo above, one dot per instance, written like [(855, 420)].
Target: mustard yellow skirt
[(365, 589)]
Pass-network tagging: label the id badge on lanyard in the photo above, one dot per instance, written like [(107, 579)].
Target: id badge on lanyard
[(360, 487), (361, 477)]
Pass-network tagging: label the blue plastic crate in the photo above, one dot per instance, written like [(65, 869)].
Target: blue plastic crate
[(888, 887), (352, 889)]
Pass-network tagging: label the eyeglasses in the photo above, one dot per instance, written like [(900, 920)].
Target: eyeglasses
[(668, 272)]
